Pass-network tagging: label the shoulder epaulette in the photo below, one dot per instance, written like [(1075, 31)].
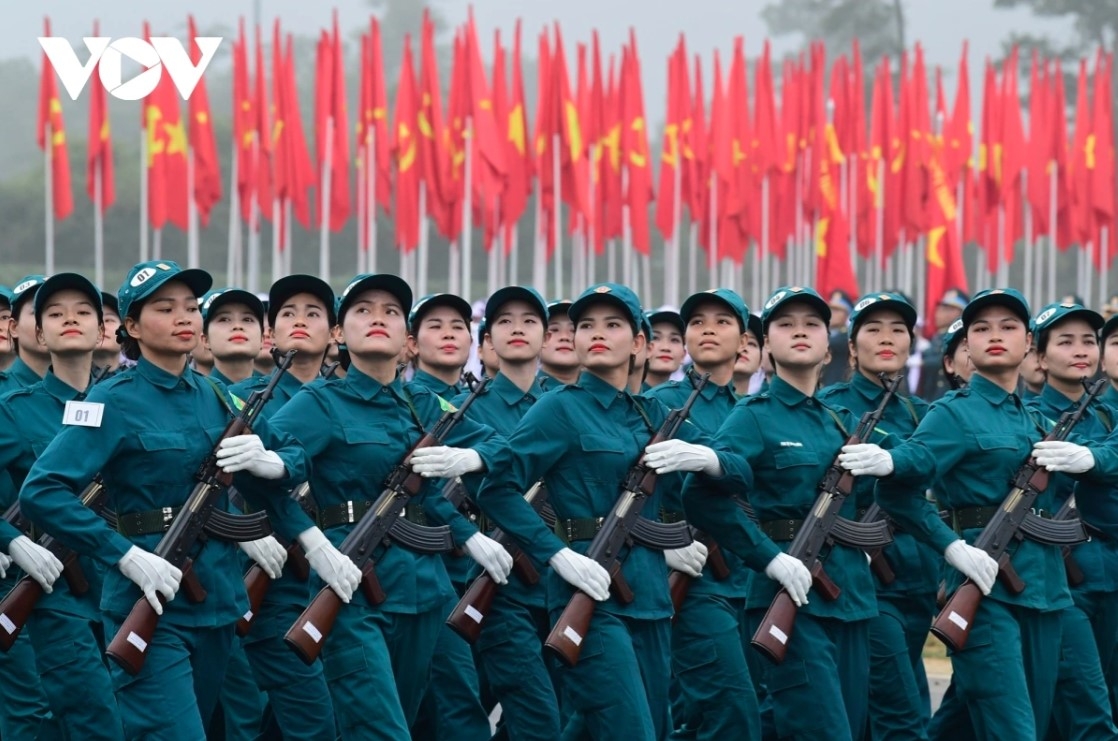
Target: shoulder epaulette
[(754, 398)]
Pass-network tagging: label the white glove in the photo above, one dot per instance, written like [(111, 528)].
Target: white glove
[(247, 453), (442, 462), (791, 573), (582, 573), (332, 566), (39, 563), (152, 574), (5, 563), (1060, 455), (491, 556), (267, 553), (973, 563), (689, 559), (677, 455), (866, 459)]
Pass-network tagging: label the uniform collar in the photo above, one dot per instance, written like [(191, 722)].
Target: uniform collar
[(222, 378), (161, 378), (1056, 400), (510, 393), (989, 390), (439, 386), (59, 389), (786, 393), (870, 390), (598, 389), (22, 373), (368, 387), (710, 391), (1110, 396)]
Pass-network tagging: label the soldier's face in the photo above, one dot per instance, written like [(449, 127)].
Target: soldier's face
[(517, 333), (714, 336), (1110, 357), (234, 333), (797, 337), (442, 339), (604, 339), (109, 342), (882, 343), (559, 343), (374, 326), (302, 324), (1072, 351), (170, 322), (997, 339), (22, 328), (666, 349), (69, 324), (749, 357)]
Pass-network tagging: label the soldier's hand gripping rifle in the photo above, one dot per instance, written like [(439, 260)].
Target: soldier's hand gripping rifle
[(16, 607), (618, 531), (1012, 521), (314, 625), (822, 528), (128, 647)]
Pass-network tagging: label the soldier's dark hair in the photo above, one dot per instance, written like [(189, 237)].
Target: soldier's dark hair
[(128, 344)]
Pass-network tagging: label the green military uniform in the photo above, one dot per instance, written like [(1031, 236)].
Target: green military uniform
[(710, 644), (973, 441), (452, 706), (65, 629), (147, 462), (899, 700), (775, 448), (356, 430), (1089, 629), (24, 707), (299, 697)]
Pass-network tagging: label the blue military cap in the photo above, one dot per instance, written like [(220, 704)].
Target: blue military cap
[(790, 294), (145, 278), (621, 296), (1053, 314), (952, 336), (874, 302), (665, 316), (730, 298), (955, 297), (65, 281), (502, 296), (393, 284), (291, 285), (25, 290), (432, 300), (215, 299), (1010, 298)]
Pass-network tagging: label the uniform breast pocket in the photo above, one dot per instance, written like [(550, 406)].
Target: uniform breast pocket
[(989, 441), (363, 435), (598, 443), (792, 457), (164, 455), (38, 446)]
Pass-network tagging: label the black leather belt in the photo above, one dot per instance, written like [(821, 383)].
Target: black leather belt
[(781, 530), (668, 517), (220, 524), (350, 512)]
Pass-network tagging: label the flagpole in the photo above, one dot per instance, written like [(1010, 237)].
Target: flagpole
[(362, 203), (368, 262), (144, 196), (1104, 264), (592, 215), (467, 214), (157, 244), (324, 208), (672, 264), (279, 236), (252, 271), (493, 273), (627, 276), (960, 216), (1003, 268), (879, 228), (48, 185), (852, 203), (766, 249), (712, 246), (1053, 230), (424, 243), (798, 231), (557, 257), (98, 226), (287, 224), (192, 251), (692, 258), (611, 260), (234, 215), (1026, 208), (539, 280)]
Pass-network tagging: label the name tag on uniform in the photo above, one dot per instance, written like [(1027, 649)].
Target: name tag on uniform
[(83, 413)]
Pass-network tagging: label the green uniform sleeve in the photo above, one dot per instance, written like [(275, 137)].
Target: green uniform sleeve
[(74, 457), (934, 447), (539, 441), (284, 513), (709, 502)]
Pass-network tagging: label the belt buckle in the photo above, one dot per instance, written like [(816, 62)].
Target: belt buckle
[(168, 516), (349, 512), (598, 524), (569, 526)]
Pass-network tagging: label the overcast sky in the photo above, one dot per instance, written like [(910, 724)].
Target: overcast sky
[(940, 25)]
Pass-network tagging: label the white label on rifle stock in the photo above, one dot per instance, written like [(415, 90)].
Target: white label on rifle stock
[(573, 635), (138, 642), (778, 634), (958, 620), (248, 615), (313, 632), (7, 624), (474, 614)]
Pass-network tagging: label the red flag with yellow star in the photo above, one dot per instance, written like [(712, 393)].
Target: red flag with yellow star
[(52, 131), (519, 155), (944, 252), (406, 150), (207, 166), (99, 153), (634, 146), (166, 155)]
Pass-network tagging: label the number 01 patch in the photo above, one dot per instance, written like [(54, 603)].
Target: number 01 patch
[(83, 413)]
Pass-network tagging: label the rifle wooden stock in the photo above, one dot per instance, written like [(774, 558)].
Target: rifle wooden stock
[(257, 582), (306, 635), (75, 577), (1072, 569), (15, 609), (881, 567), (775, 630), (191, 588), (129, 646), (524, 569), (370, 585), (565, 639), (952, 625), (468, 616)]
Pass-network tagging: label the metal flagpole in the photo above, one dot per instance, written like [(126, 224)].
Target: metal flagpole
[(1104, 264), (557, 257), (1003, 268), (48, 184), (144, 251), (234, 225), (369, 263), (672, 263), (419, 259), (287, 224), (192, 251), (324, 212), (879, 229), (467, 214), (157, 244), (767, 259), (712, 246), (1030, 258), (627, 277), (591, 215), (1053, 231), (539, 278), (692, 258), (252, 272), (98, 227), (362, 202)]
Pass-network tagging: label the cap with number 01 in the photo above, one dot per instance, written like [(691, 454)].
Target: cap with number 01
[(146, 278)]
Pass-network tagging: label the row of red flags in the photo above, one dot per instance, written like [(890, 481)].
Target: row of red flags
[(758, 168)]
